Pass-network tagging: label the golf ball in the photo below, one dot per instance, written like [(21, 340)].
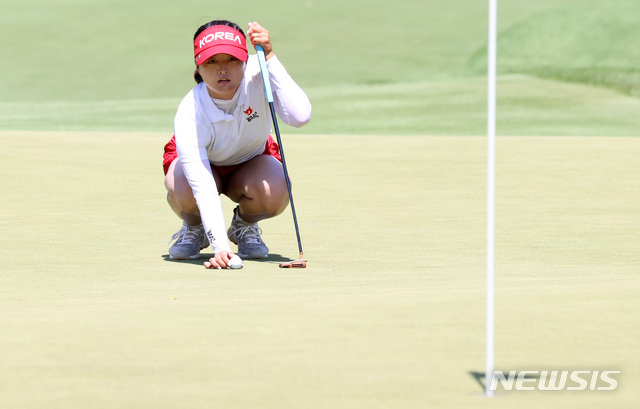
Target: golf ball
[(235, 262)]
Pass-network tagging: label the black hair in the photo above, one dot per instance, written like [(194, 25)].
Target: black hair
[(203, 27)]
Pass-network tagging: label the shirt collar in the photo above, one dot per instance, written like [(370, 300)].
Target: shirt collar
[(214, 113)]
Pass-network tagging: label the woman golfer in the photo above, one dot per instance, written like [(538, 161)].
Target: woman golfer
[(222, 145)]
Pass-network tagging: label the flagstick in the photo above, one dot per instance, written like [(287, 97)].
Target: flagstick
[(491, 170)]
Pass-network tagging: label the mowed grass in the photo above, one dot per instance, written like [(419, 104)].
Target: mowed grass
[(390, 311), (584, 41), (369, 67), (527, 105)]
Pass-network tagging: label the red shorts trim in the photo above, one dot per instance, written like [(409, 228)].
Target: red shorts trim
[(170, 154)]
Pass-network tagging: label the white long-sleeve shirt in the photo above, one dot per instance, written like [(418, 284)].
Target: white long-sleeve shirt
[(206, 134)]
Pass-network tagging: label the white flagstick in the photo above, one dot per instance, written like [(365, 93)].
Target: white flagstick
[(491, 176)]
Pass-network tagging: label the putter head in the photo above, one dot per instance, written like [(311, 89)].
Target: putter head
[(294, 264)]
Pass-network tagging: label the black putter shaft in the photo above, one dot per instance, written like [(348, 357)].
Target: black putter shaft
[(300, 263), (286, 174)]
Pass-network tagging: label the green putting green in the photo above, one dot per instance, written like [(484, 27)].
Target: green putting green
[(389, 181), (389, 311)]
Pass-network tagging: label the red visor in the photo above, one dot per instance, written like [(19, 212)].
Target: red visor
[(219, 40)]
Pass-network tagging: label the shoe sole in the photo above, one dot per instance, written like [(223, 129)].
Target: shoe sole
[(195, 256), (253, 257)]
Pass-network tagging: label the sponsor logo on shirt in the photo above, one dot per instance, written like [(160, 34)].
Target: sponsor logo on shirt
[(251, 115)]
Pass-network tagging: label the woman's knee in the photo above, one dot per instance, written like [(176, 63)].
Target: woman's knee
[(271, 188), (184, 202), (276, 203), (268, 196), (179, 191)]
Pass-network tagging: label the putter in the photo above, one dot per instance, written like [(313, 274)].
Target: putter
[(300, 263)]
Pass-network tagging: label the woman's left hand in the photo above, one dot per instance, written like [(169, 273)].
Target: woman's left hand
[(260, 35)]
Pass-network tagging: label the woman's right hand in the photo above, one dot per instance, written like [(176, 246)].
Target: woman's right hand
[(260, 35), (220, 260)]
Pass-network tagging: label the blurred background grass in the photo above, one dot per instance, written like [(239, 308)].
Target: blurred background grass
[(369, 67)]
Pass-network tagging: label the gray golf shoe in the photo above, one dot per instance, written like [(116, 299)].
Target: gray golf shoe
[(247, 237), (189, 241)]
